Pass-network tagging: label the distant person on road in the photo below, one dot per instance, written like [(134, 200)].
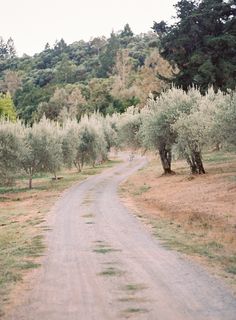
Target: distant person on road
[(131, 156)]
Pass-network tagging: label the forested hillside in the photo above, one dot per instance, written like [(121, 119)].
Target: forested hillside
[(67, 80), (109, 75)]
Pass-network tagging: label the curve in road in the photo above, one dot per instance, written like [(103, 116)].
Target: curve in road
[(102, 264)]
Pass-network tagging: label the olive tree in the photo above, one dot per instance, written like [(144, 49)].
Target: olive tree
[(97, 122), (211, 107), (224, 125), (86, 142), (9, 150), (91, 143), (109, 131), (41, 149), (191, 137), (160, 115), (129, 129), (70, 140)]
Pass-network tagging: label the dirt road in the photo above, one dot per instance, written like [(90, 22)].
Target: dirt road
[(102, 264)]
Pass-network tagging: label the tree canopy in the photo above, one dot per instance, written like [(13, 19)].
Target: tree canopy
[(110, 73), (201, 43), (7, 108)]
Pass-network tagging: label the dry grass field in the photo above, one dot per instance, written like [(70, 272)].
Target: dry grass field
[(195, 215)]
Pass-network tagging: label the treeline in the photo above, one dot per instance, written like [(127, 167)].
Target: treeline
[(186, 123), (108, 75), (47, 146)]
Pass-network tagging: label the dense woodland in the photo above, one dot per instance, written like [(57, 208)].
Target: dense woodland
[(105, 75), (172, 89)]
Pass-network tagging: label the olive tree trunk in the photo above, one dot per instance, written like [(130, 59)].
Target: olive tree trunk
[(30, 182), (195, 163), (166, 158), (198, 160)]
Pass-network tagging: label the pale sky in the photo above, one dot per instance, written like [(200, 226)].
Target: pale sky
[(33, 23)]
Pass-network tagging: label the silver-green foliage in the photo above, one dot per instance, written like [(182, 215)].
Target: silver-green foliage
[(86, 142), (70, 142), (129, 125), (191, 137), (225, 119), (9, 150), (109, 124), (41, 148), (158, 131), (162, 113), (186, 120), (46, 146), (92, 145)]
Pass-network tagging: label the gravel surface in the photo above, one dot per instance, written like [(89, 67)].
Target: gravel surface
[(102, 263)]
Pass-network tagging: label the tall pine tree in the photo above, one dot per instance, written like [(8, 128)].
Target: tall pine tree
[(202, 43)]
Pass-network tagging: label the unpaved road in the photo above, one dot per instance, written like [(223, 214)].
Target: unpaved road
[(102, 264)]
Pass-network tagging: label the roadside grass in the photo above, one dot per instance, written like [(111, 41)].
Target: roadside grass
[(195, 215), (22, 224), (142, 189), (174, 236), (219, 157)]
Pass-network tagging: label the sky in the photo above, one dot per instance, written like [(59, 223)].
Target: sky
[(33, 23)]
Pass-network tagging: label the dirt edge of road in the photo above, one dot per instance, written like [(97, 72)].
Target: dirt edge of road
[(195, 215)]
